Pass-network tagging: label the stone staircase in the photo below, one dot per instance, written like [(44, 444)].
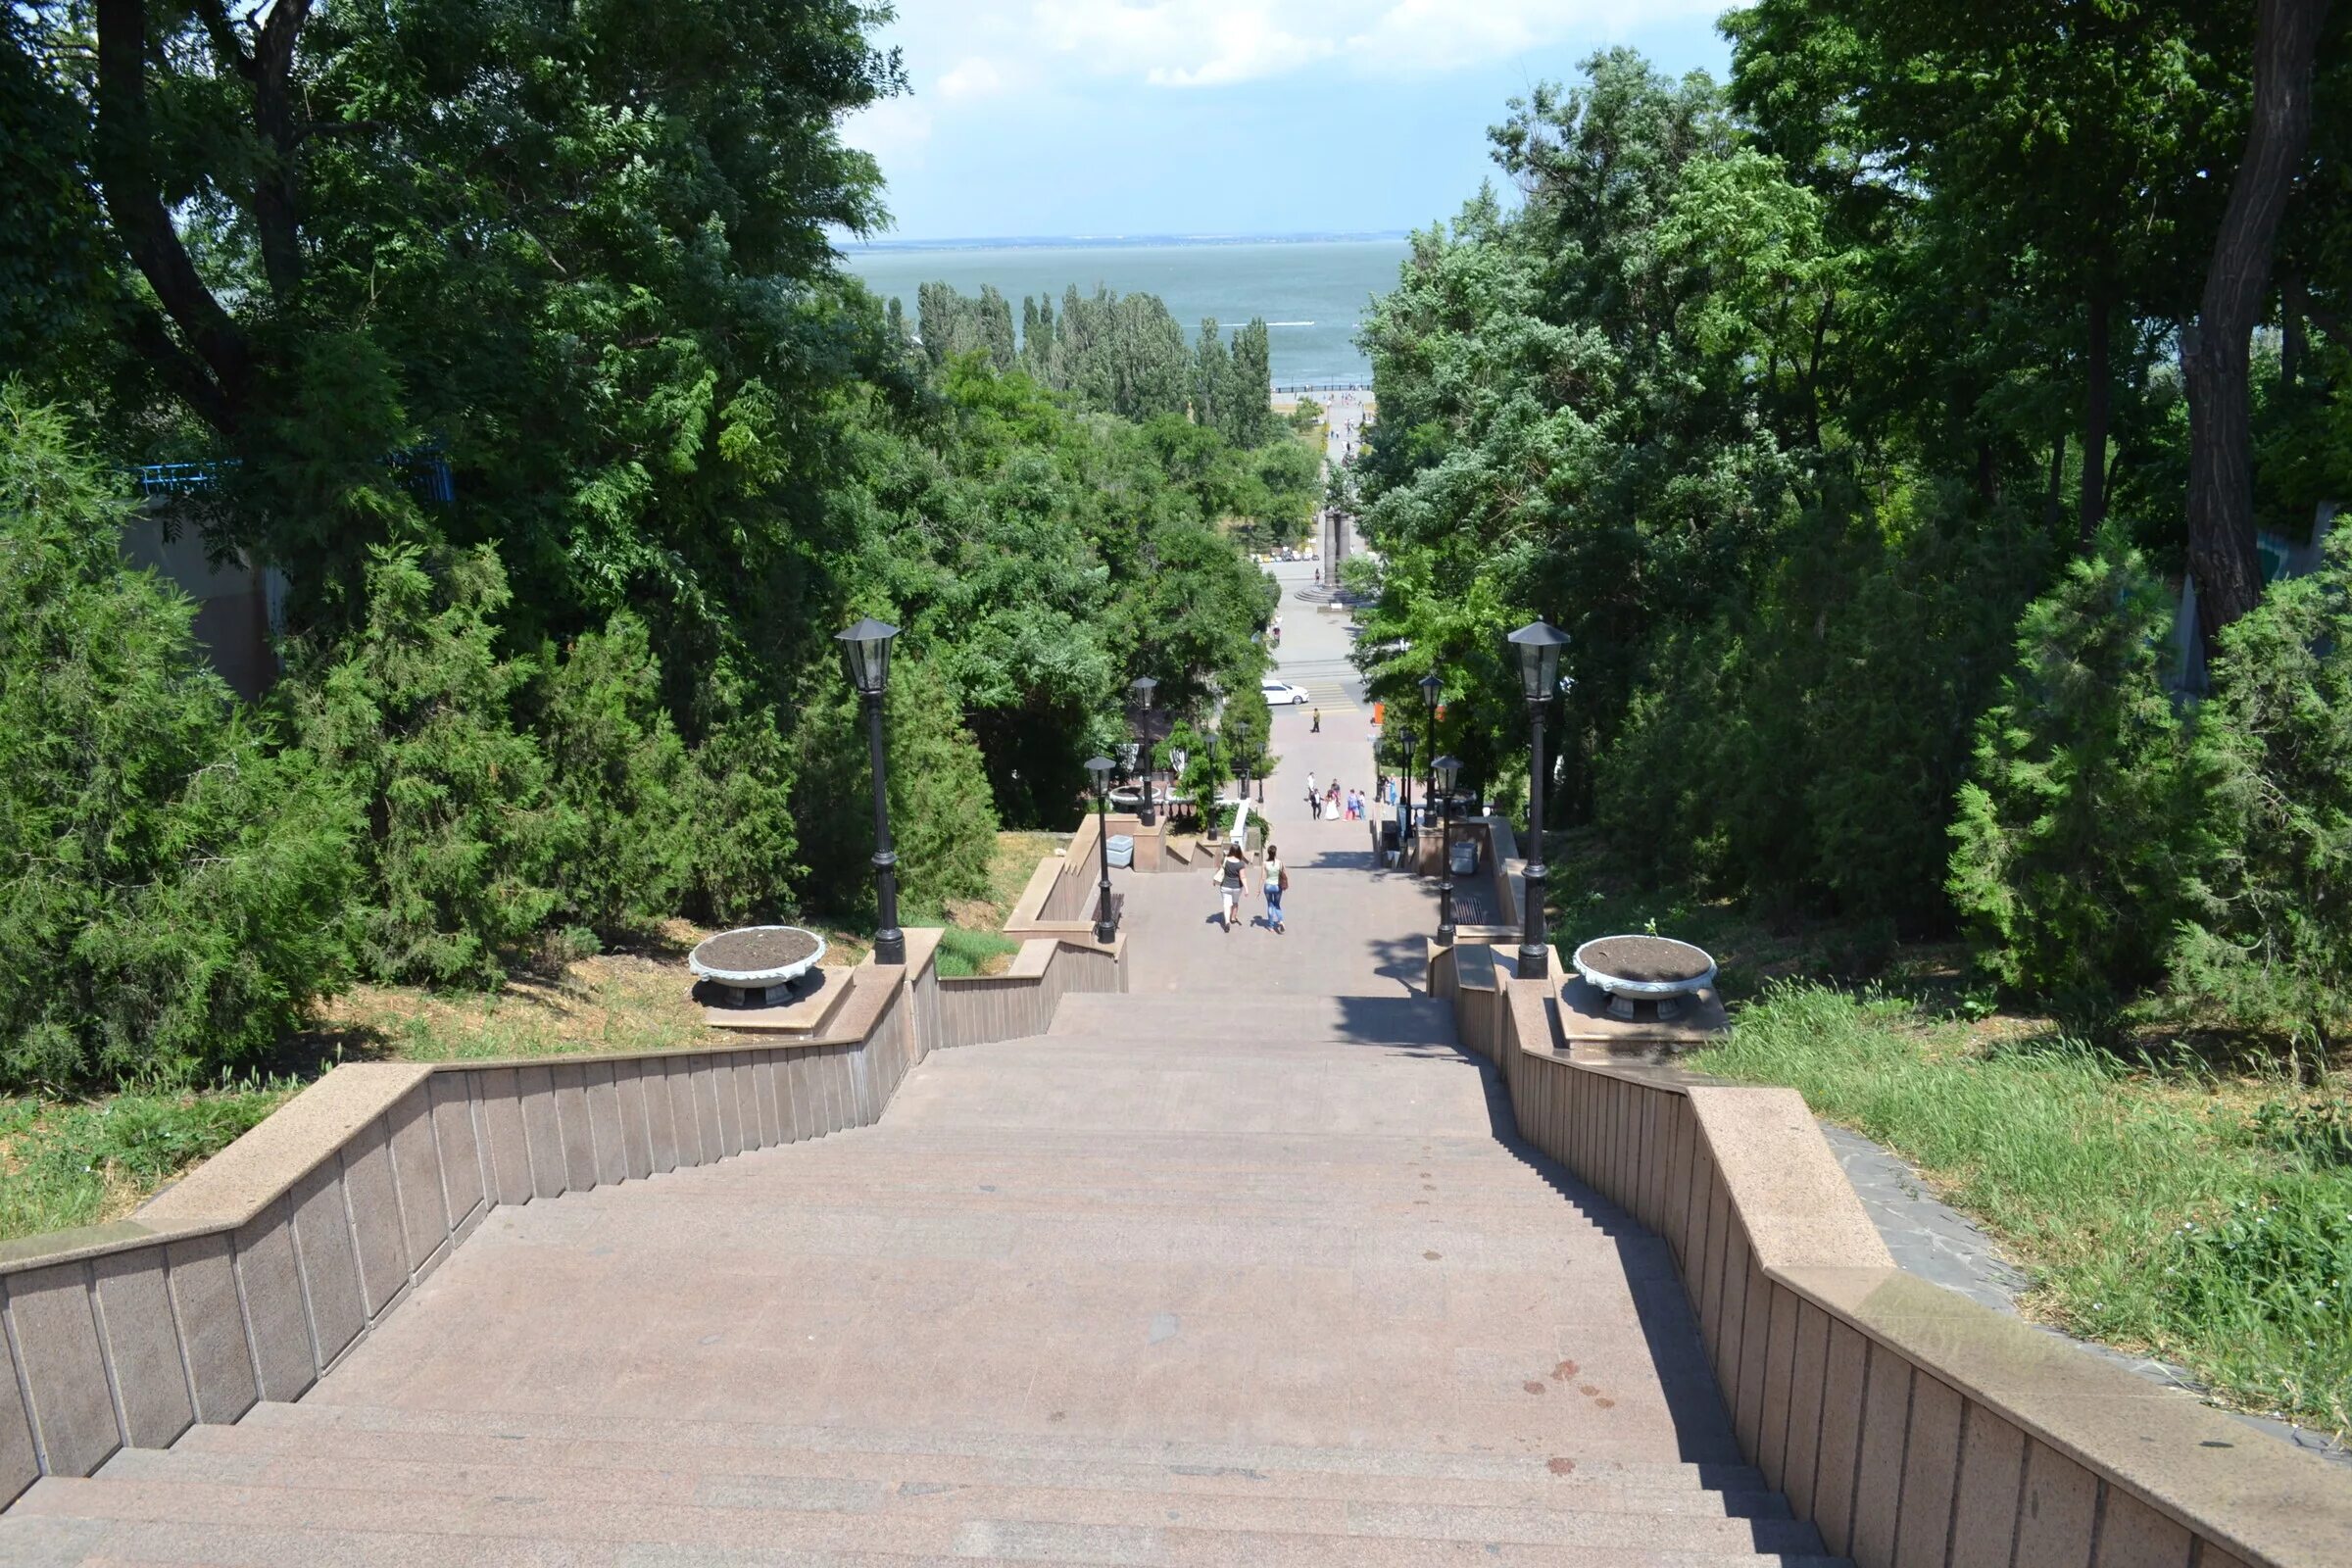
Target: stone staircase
[(1203, 1278)]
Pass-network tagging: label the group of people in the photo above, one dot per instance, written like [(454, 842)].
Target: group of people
[(1336, 805), (1232, 879)]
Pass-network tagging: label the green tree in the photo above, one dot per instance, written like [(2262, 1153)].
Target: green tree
[(2269, 939), (624, 778), (415, 716), (602, 286), (172, 894), (2073, 851)]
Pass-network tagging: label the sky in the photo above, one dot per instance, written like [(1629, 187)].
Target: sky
[(1094, 118)]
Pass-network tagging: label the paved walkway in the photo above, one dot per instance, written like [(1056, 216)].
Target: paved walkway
[(1240, 1268), (1191, 1280), (1354, 929)]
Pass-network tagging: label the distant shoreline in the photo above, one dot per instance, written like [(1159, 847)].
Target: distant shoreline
[(1071, 242)]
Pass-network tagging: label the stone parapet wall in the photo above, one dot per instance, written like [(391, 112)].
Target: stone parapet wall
[(254, 1275), (1910, 1425), (978, 1009)]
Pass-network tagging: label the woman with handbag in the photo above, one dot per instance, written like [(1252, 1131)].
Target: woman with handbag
[(1229, 883)]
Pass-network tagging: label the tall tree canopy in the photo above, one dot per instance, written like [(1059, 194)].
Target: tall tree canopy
[(578, 251)]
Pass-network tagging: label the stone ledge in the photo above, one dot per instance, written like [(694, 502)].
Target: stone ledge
[(284, 1147), (1797, 1227), (2264, 1500)]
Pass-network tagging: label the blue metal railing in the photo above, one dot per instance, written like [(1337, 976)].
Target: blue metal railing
[(426, 469)]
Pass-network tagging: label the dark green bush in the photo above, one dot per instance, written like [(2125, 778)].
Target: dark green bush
[(745, 839), (170, 894), (415, 715), (2076, 844), (2269, 941), (624, 779), (942, 818)]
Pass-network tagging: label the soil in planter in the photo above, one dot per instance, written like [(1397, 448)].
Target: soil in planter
[(1651, 960), (754, 951)]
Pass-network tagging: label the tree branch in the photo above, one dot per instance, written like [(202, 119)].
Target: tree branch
[(276, 210), (144, 225)]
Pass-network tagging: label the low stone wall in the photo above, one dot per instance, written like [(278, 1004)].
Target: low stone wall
[(252, 1277), (1077, 879), (978, 1009), (1910, 1425)]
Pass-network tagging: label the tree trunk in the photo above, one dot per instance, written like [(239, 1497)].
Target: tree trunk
[(2050, 497), (2290, 332), (2097, 406), (2215, 352)]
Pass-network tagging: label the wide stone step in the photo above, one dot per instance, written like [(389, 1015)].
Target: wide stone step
[(254, 1452), (1368, 1534), (1268, 1020), (1591, 1463), (175, 1545), (914, 1488)]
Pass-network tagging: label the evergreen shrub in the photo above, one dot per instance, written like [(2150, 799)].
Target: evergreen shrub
[(2268, 940), (415, 713), (170, 893), (943, 822), (2076, 840)]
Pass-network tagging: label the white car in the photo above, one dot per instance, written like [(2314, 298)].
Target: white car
[(1282, 694)]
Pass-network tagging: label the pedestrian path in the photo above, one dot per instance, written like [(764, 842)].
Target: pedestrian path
[(1242, 1268), (1210, 1280)]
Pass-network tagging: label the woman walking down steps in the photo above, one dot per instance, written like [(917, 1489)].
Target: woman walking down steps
[(1229, 884), (1274, 881)]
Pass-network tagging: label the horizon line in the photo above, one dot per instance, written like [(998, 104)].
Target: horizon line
[(848, 243)]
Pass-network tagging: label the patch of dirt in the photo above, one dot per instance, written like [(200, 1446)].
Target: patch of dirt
[(757, 950), (1650, 959)]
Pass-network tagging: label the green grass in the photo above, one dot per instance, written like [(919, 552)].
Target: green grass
[(969, 953), (83, 1163), (2207, 1221)]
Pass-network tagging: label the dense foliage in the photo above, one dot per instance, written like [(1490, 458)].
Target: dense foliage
[(1838, 417), (171, 890), (510, 339)]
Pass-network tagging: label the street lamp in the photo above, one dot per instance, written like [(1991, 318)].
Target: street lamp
[(866, 652), (1432, 688), (1404, 806), (1140, 689), (1539, 645), (1445, 773), (1106, 923)]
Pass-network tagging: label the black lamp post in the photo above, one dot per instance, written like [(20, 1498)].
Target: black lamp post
[(1539, 645), (1432, 689), (865, 651), (1141, 689), (1106, 923), (1404, 806), (1444, 774)]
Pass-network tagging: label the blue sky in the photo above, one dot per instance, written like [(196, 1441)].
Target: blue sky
[(1269, 117)]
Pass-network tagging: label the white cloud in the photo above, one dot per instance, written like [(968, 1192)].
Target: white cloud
[(1194, 43), (973, 77), (894, 130)]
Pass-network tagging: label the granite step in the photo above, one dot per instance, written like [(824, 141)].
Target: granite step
[(916, 1491), (1214, 1015), (1372, 1534), (261, 1453), (315, 1416)]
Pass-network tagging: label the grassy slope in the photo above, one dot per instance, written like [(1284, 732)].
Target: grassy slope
[(81, 1163), (2207, 1222), (2202, 1215)]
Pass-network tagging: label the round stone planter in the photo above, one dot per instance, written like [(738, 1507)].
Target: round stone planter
[(1637, 969), (757, 965)]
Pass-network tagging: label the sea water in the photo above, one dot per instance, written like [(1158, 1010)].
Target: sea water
[(1312, 292)]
